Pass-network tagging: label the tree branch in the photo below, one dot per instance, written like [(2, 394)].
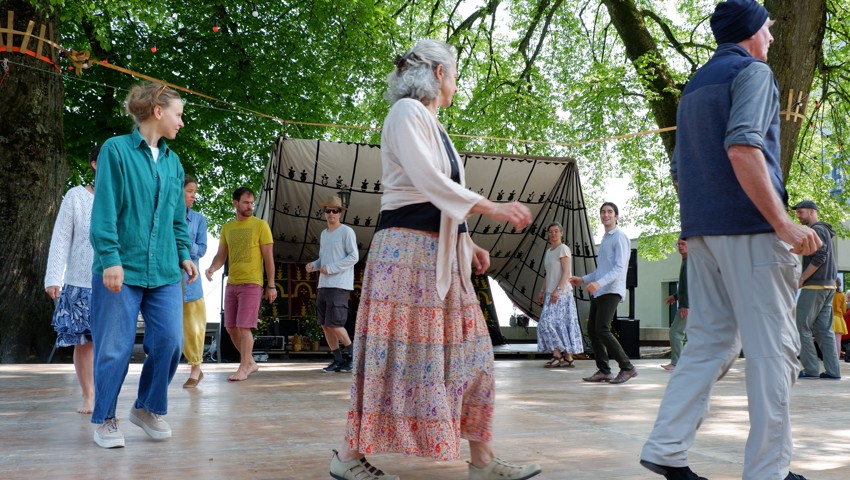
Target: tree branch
[(670, 37)]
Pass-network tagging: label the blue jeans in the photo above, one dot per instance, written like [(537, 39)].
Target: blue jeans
[(814, 322), (113, 325)]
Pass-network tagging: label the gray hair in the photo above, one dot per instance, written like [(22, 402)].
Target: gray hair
[(414, 76)]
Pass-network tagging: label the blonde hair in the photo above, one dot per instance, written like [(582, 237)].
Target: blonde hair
[(145, 96), (413, 75)]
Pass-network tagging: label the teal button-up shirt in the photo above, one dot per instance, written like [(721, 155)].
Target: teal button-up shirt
[(138, 217)]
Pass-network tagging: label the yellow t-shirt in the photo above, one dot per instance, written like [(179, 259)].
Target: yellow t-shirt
[(243, 240)]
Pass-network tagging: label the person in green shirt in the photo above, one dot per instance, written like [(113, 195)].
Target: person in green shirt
[(140, 242)]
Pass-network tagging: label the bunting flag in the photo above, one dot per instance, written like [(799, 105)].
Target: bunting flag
[(301, 174)]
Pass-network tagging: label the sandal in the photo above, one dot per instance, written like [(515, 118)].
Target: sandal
[(563, 363), (552, 363)]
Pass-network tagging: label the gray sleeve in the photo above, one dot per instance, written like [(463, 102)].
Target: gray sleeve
[(755, 102)]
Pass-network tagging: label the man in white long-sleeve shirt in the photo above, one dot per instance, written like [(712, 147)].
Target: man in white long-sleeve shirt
[(337, 256), (607, 285)]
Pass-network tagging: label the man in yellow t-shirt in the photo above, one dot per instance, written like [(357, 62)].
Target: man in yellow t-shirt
[(247, 243)]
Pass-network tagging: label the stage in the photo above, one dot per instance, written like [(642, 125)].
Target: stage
[(283, 422)]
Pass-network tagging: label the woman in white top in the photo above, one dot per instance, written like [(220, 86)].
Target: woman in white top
[(423, 361), (558, 330), (70, 259)]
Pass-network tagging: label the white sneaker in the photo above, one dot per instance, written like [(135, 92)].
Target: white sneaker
[(151, 423), (358, 469), (107, 434), (499, 469)]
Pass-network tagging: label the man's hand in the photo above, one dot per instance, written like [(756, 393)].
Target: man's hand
[(53, 292), (576, 281), (323, 270), (592, 288), (670, 300), (803, 240), (113, 278), (270, 294), (683, 312), (209, 273), (189, 267), (309, 267)]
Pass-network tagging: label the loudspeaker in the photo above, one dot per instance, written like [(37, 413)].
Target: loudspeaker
[(627, 331), (226, 350), (632, 273)]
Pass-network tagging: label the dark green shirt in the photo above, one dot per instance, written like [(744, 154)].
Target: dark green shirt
[(138, 216), (682, 289)]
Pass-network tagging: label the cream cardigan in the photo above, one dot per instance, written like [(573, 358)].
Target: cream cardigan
[(416, 169)]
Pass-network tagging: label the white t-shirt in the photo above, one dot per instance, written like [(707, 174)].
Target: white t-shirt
[(552, 263)]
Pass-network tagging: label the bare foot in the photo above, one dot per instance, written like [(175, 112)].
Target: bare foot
[(238, 376), (88, 405), (668, 367)]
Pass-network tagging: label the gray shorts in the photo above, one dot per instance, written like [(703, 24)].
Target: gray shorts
[(332, 307)]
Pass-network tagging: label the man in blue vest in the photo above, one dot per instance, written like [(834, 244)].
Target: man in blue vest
[(742, 272)]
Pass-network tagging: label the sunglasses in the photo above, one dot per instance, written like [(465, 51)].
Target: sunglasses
[(331, 210)]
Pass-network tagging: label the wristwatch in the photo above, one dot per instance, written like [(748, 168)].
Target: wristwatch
[(271, 286)]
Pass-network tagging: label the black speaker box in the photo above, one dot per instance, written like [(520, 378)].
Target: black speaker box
[(632, 272), (627, 331)]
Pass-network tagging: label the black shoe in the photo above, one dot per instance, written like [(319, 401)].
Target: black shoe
[(794, 476), (333, 367), (672, 473), (346, 366)]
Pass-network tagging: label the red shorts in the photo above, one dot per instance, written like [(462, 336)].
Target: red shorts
[(242, 305)]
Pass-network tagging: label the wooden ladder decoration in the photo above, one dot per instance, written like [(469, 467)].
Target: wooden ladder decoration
[(800, 104), (52, 56)]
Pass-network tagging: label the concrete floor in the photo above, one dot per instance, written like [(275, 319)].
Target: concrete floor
[(283, 422)]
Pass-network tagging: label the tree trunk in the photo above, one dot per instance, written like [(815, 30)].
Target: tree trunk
[(662, 91), (33, 172), (795, 54)]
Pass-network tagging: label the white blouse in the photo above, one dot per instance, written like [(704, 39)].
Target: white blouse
[(71, 254)]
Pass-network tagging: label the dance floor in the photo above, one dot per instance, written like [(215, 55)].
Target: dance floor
[(283, 422)]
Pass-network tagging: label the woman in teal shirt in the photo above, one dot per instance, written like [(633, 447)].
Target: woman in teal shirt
[(140, 242)]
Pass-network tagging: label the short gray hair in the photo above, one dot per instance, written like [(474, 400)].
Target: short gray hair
[(413, 77)]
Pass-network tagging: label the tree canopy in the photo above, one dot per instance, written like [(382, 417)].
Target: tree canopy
[(544, 70), (538, 77)]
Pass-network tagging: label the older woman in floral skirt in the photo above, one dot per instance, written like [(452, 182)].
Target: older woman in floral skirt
[(423, 361)]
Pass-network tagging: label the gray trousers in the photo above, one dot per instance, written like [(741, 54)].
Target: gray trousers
[(814, 322), (677, 337), (741, 292)]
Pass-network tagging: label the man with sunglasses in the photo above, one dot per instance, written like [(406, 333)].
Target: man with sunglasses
[(337, 256)]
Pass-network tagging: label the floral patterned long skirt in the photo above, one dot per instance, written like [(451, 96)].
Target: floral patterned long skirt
[(423, 367), (72, 316), (558, 327)]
